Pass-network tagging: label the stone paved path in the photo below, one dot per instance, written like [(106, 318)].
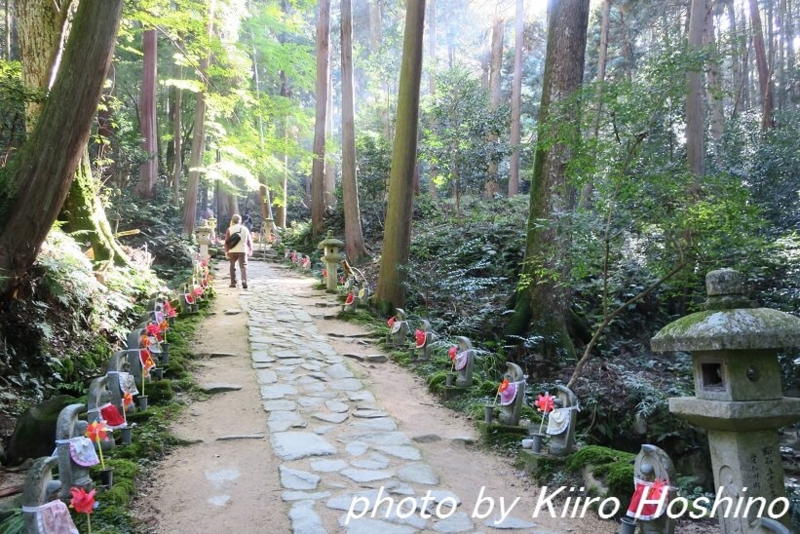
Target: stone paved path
[(339, 450)]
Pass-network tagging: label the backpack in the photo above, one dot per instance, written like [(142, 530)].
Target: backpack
[(233, 239)]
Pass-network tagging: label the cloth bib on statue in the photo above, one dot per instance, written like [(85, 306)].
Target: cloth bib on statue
[(655, 491), (112, 417), (81, 450), (507, 397), (461, 360), (52, 518), (558, 421), (396, 326)]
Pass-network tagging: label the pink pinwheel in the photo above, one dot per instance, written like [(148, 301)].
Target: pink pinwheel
[(83, 503), (545, 404)]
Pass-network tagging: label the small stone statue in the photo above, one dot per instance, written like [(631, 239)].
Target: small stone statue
[(400, 329), (120, 381), (561, 422), (306, 263), (464, 362), (654, 472), (139, 356), (74, 451), (42, 511), (363, 294), (424, 337), (100, 406), (512, 397)]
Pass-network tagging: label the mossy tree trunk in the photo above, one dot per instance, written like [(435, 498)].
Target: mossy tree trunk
[(318, 164), (541, 302), (391, 291), (43, 30), (39, 177)]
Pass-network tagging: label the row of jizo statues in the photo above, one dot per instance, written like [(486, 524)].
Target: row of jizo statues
[(653, 468), (84, 431)]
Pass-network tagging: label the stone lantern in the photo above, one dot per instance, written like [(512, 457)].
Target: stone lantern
[(738, 396), (330, 247), (204, 239)]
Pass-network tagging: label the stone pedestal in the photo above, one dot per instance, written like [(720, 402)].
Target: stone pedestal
[(204, 240), (738, 392)]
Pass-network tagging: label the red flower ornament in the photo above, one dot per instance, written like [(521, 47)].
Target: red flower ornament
[(545, 403), (82, 502)]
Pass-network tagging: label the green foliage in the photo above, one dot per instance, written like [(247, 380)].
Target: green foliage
[(12, 522), (614, 467)]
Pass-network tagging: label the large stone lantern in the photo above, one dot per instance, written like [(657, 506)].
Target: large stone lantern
[(204, 239), (330, 247), (738, 396)]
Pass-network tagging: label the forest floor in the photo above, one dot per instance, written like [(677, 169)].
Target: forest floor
[(239, 477)]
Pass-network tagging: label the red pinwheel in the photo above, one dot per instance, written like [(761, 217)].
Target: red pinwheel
[(96, 431), (325, 273), (503, 386), (169, 310), (198, 291), (419, 335), (82, 502), (545, 404), (453, 351), (153, 330)]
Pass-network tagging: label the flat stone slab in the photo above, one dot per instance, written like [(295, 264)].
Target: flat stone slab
[(361, 396), (281, 421), (233, 437), (305, 520), (219, 387), (369, 414), (346, 384), (339, 371), (356, 448), (426, 438), (262, 357), (418, 474), (279, 405), (266, 377), (277, 391), (330, 417), (381, 423), (375, 438), (374, 461), (295, 479), (463, 440), (328, 466), (346, 500), (288, 496), (337, 406), (297, 445), (365, 475), (232, 312), (458, 522)]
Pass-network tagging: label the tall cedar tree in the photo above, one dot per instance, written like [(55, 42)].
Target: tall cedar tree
[(541, 302), (391, 291), (42, 172), (318, 165), (353, 236)]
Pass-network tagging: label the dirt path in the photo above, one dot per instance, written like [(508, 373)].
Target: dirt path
[(253, 484)]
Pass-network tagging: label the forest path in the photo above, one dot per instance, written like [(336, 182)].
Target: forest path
[(309, 430)]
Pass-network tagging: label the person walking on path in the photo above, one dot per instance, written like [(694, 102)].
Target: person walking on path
[(239, 250)]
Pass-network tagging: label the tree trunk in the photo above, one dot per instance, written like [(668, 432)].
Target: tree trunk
[(516, 101), (43, 31), (198, 138), (764, 76), (7, 30), (375, 26), (432, 41), (541, 304), (330, 168), (353, 236), (318, 164), (495, 77), (178, 143), (390, 293), (39, 175), (148, 171), (84, 210), (714, 84), (695, 146), (602, 56)]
